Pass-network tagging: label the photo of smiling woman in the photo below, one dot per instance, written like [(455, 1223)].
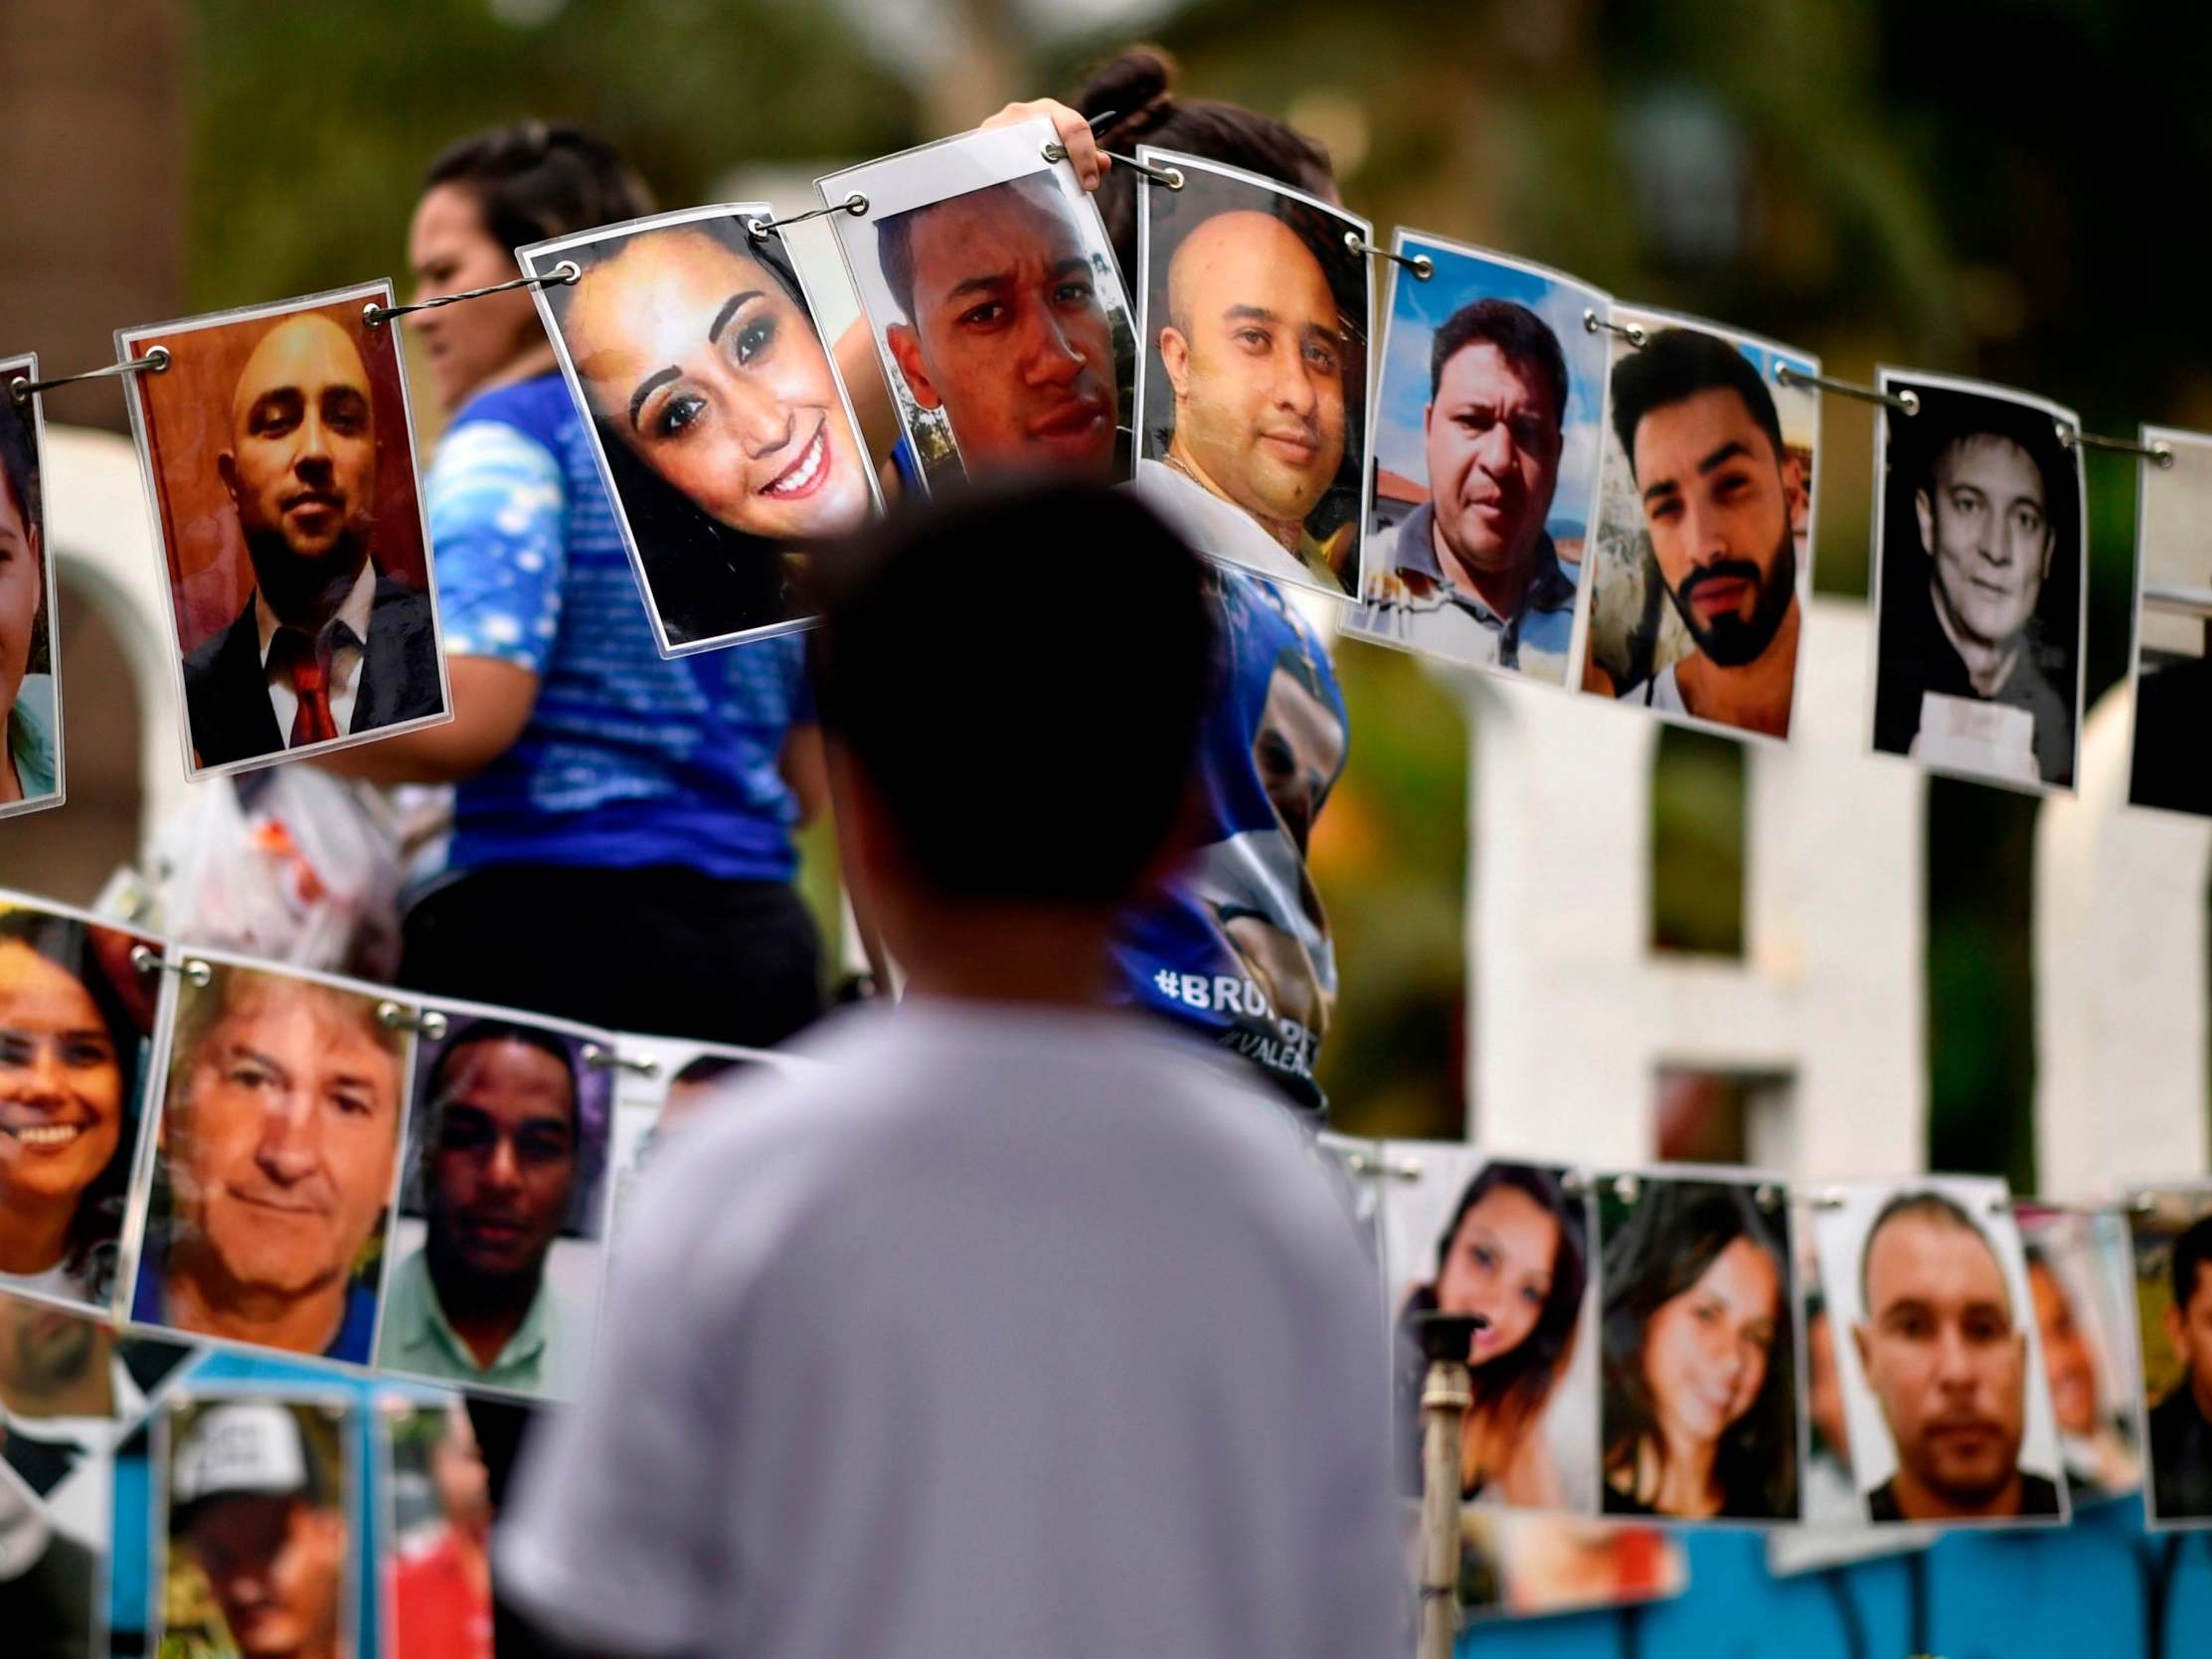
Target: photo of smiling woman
[(74, 1017), (1700, 1403), (30, 705), (721, 430), (1516, 1252)]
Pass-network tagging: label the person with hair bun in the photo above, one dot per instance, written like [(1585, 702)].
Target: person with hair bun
[(613, 808)]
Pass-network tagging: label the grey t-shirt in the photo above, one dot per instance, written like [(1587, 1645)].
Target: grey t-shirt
[(1004, 1333)]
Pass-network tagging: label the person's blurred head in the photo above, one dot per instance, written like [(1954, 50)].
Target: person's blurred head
[(2067, 1358), (2189, 1318), (1941, 1351), (1719, 490), (22, 557), (1006, 331), (484, 197), (1136, 89), (1044, 771), (1255, 355), (252, 1504), (281, 1133), (1493, 427), (1696, 1342), (500, 1163), (1988, 519), (69, 1076), (1515, 1251), (699, 356), (301, 465)]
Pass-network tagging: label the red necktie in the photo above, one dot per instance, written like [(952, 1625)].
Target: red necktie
[(307, 663)]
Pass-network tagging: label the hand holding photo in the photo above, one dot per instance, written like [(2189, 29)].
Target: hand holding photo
[(1944, 1390), (277, 1146), (30, 691), (1979, 581), (718, 419), (1252, 385), (280, 465), (1703, 560), (1484, 479), (996, 308)]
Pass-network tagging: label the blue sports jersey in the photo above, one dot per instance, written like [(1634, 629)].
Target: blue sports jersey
[(1239, 947), (629, 759)]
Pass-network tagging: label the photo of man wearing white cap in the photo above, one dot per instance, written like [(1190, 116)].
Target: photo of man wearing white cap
[(256, 1510)]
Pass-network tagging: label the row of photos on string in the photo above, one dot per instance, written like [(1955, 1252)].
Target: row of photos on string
[(219, 1185), (227, 1152), (1543, 483)]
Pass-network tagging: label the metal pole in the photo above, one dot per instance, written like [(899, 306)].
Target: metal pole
[(1447, 1393)]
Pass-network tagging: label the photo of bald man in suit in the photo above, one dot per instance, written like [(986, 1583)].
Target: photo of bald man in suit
[(327, 645)]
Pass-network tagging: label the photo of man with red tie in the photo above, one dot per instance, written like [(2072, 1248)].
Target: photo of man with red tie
[(331, 641)]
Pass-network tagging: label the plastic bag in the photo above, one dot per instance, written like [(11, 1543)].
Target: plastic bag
[(290, 864)]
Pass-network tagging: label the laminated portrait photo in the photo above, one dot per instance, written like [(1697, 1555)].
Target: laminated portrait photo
[(2172, 669), (1482, 485), (1511, 1244), (1699, 1402), (2171, 1230), (666, 1087), (715, 411), (281, 472), (499, 1254), (78, 1016), (1256, 304), (261, 1216), (30, 768), (995, 305), (1701, 565), (434, 1517), (2080, 1273), (1514, 1565), (1946, 1399), (256, 1499), (1981, 582)]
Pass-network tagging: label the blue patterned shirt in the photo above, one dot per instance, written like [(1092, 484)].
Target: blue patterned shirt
[(629, 759)]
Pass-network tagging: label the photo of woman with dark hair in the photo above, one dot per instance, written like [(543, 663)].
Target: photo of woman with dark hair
[(722, 427), (29, 698), (1699, 1408), (73, 1026), (1517, 1253)]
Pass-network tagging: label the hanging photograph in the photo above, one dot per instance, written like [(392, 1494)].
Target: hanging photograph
[(1698, 1414), (1945, 1398), (255, 1497), (1483, 479), (1979, 582), (499, 1254), (687, 1082), (31, 771), (1538, 1565), (435, 1522), (1257, 304), (77, 1024), (2080, 1276), (2172, 1234), (721, 428), (2172, 668), (279, 468), (1701, 568), (1511, 1243), (996, 308), (277, 1149)]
